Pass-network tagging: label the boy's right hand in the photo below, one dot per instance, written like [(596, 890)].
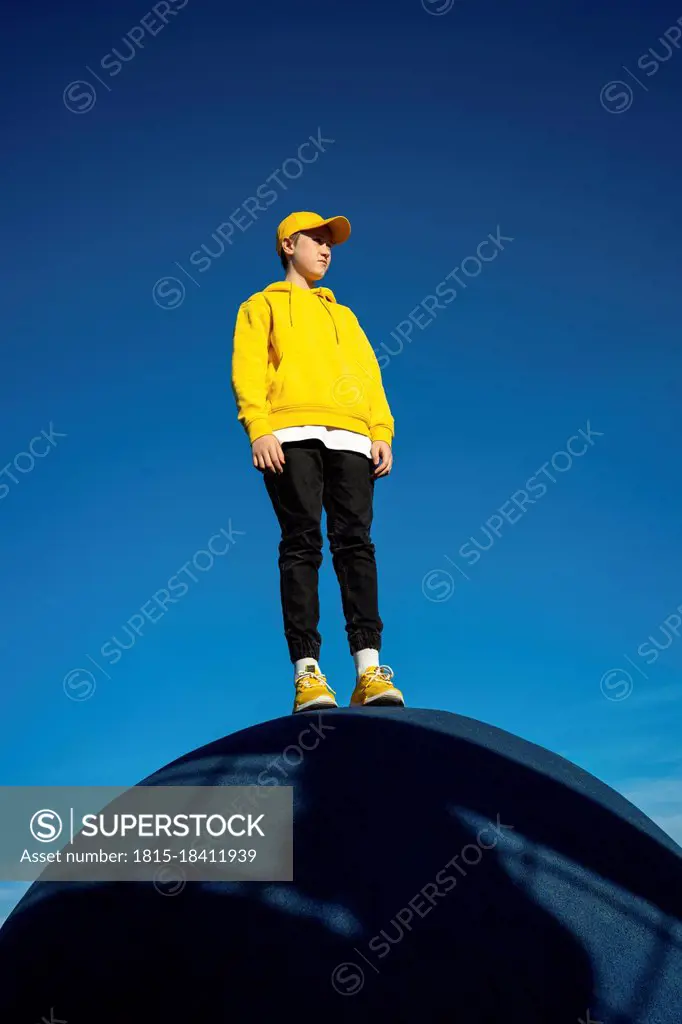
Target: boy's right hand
[(268, 454)]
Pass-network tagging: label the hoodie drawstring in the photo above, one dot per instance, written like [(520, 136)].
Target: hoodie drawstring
[(326, 306), (291, 316)]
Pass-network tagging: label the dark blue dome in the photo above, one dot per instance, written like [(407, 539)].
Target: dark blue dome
[(444, 871)]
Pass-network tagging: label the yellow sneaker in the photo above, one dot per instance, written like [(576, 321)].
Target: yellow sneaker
[(312, 692), (375, 687)]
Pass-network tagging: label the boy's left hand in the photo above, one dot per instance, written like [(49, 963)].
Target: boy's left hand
[(381, 451)]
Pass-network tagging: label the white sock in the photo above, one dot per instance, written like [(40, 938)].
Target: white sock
[(304, 665), (364, 659)]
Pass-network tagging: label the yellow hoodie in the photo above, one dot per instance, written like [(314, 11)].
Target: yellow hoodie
[(300, 357)]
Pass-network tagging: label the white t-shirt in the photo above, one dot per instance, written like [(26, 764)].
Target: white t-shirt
[(332, 437)]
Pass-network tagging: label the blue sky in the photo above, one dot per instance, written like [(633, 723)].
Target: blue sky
[(433, 126)]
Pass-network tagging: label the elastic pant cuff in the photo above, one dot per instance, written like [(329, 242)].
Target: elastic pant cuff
[(298, 651), (362, 640)]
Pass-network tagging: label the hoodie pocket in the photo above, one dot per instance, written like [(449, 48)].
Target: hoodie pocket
[(313, 375), (291, 383)]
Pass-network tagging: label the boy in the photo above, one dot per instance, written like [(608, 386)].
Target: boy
[(310, 398)]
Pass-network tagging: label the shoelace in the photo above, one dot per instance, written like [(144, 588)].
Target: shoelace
[(384, 672), (305, 679)]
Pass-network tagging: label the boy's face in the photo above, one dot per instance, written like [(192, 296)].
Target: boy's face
[(312, 252)]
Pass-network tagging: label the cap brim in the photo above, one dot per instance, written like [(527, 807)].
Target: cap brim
[(340, 229)]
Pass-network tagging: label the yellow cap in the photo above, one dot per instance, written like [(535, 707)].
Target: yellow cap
[(340, 227)]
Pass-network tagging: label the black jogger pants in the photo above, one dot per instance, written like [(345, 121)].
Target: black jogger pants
[(341, 482)]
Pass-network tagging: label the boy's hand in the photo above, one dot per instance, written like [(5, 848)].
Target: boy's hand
[(381, 450), (268, 454)]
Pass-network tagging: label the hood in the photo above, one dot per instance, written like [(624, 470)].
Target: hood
[(292, 289), (287, 286)]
